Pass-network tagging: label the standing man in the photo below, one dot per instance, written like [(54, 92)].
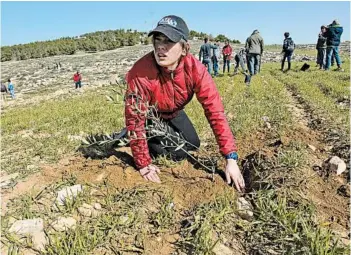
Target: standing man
[(77, 78), (288, 49), (227, 55), (215, 58), (205, 54), (333, 34), (254, 48), (321, 48)]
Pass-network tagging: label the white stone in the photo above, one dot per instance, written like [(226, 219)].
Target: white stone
[(97, 206), (85, 211), (68, 192), (312, 147), (337, 165), (39, 240), (221, 249), (27, 226), (9, 177), (244, 209), (63, 224)]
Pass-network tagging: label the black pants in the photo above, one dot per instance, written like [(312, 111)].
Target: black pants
[(183, 126)]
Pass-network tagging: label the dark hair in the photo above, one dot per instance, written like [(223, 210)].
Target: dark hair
[(8, 80), (286, 34), (206, 39)]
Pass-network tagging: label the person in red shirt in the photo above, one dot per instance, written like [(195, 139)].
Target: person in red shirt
[(77, 78), (227, 55), (167, 78)]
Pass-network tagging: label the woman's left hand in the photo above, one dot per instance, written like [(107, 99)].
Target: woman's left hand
[(232, 172)]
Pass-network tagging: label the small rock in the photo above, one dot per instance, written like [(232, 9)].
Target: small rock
[(123, 219), (39, 240), (9, 177), (244, 209), (68, 192), (88, 211), (65, 162), (312, 147), (337, 165), (24, 227), (221, 249), (63, 224), (85, 211), (97, 206)]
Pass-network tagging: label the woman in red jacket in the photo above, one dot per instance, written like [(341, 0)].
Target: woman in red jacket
[(227, 55), (167, 78)]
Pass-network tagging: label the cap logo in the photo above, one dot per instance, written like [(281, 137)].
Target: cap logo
[(168, 21)]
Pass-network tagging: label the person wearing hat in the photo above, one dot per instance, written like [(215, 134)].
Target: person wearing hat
[(167, 78), (333, 34), (321, 47)]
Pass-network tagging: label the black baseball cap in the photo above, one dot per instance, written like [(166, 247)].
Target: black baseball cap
[(173, 27)]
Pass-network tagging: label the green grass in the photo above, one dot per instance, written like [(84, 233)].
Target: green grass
[(45, 130), (308, 86), (283, 222)]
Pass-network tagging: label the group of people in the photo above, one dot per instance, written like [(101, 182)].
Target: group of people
[(210, 55), (328, 46), (9, 89)]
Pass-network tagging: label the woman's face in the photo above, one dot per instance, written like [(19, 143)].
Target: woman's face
[(167, 53)]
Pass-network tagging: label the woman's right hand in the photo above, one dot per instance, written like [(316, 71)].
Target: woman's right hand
[(150, 173)]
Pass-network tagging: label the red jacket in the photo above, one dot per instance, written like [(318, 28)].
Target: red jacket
[(156, 84), (227, 50), (77, 77)]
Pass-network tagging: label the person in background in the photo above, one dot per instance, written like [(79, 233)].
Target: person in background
[(333, 34), (288, 49), (3, 91), (77, 78), (254, 49), (172, 77), (240, 59), (322, 47), (11, 89), (205, 54), (227, 52), (215, 58)]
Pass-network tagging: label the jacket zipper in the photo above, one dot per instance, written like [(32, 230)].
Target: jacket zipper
[(172, 78)]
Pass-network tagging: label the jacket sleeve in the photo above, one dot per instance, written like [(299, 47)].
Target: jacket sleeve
[(262, 46), (135, 122), (247, 45), (208, 95), (200, 53)]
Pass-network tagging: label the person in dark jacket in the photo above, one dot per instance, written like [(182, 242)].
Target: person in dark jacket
[(254, 49), (333, 34), (227, 52), (169, 82), (205, 54), (288, 49), (321, 47)]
